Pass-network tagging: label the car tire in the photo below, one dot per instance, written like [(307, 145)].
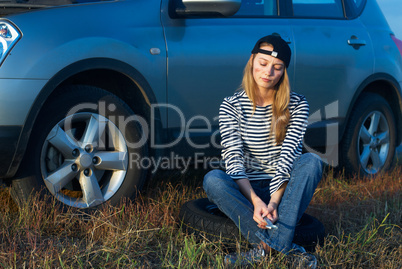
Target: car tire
[(369, 142), (203, 218), (81, 150)]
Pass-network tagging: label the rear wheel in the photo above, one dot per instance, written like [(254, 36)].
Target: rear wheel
[(370, 140), (82, 149)]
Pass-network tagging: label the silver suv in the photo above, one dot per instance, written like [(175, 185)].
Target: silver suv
[(96, 96)]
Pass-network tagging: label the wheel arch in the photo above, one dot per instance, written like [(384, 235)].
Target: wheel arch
[(114, 76), (388, 88)]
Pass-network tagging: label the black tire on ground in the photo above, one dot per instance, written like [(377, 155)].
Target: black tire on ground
[(81, 150), (369, 142), (203, 218)]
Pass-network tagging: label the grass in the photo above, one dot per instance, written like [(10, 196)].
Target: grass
[(362, 217)]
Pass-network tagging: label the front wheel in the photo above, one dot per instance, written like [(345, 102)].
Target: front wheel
[(370, 140), (82, 149)]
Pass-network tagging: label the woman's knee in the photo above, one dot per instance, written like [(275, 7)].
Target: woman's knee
[(215, 180), (311, 159), (310, 165)]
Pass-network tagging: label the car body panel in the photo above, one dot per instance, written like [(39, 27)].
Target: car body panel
[(326, 63), (16, 99), (387, 59), (191, 64), (114, 34)]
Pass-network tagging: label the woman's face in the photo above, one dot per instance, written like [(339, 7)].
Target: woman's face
[(267, 70)]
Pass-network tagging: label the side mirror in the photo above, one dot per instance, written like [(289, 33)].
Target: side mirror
[(210, 8)]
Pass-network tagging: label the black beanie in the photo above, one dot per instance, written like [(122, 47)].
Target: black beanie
[(281, 48)]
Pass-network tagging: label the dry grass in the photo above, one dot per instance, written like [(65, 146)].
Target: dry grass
[(362, 218)]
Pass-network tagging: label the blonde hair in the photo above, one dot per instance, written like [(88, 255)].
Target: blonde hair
[(280, 109)]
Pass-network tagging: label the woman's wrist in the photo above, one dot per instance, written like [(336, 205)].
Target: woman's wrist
[(273, 204), (256, 200), (277, 196)]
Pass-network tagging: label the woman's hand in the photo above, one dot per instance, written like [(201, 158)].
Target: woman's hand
[(260, 211), (270, 211), (272, 207)]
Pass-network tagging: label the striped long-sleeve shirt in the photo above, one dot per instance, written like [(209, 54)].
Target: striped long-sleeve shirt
[(249, 151)]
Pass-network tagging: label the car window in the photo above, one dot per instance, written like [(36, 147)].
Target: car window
[(318, 8), (258, 8)]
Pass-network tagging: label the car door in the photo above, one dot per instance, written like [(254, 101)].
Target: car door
[(333, 57), (206, 58)]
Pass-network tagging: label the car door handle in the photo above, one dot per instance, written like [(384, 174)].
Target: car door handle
[(354, 41)]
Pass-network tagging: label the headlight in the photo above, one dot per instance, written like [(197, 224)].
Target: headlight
[(9, 36)]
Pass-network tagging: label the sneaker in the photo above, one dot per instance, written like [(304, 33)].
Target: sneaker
[(246, 258), (304, 260)]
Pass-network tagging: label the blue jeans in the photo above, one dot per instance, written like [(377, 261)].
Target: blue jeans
[(223, 191)]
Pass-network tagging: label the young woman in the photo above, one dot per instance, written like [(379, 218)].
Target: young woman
[(262, 129)]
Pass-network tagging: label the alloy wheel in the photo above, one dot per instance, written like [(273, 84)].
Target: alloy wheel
[(84, 160), (373, 143)]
